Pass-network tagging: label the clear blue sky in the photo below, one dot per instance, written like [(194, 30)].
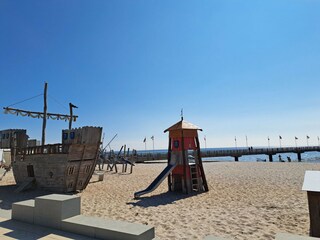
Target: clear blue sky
[(237, 68)]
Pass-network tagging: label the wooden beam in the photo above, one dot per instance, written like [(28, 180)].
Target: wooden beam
[(44, 123)]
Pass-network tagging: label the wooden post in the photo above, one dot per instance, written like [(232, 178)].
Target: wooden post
[(270, 158), (169, 160), (71, 106), (71, 114), (44, 124), (204, 180), (314, 209)]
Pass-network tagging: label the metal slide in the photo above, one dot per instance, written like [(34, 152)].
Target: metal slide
[(157, 181)]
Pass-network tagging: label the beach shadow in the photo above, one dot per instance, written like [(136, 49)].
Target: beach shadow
[(9, 196), (160, 199), (20, 230)]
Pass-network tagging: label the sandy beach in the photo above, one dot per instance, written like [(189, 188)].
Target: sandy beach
[(245, 201)]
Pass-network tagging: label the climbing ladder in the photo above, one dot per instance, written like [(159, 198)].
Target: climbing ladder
[(194, 178)]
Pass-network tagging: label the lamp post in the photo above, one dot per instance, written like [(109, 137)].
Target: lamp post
[(205, 141), (152, 138), (235, 141), (280, 138), (246, 141)]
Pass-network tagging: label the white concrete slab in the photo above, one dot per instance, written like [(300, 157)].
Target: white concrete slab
[(107, 229), (311, 181), (287, 236)]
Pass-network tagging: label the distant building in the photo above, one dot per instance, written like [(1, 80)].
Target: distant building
[(7, 138)]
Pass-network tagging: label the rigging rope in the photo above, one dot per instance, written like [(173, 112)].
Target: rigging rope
[(57, 102), (25, 100)]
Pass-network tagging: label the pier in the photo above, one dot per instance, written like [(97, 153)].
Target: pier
[(235, 153)]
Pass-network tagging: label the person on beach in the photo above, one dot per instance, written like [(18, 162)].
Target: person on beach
[(280, 158)]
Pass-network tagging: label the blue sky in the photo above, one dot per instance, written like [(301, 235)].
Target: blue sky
[(237, 68)]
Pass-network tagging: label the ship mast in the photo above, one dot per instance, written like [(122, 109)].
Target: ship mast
[(44, 123), (45, 115)]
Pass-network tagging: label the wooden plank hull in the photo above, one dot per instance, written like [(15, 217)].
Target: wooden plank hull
[(63, 171)]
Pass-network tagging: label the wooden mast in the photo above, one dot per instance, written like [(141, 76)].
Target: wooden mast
[(44, 124), (71, 106)]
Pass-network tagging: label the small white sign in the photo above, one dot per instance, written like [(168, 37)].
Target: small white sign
[(311, 181)]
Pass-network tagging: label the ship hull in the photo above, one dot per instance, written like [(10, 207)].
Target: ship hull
[(57, 168)]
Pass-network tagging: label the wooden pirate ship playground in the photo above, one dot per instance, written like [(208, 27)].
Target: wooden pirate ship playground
[(64, 167), (184, 170)]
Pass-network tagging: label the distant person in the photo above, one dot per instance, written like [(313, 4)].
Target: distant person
[(280, 159), (289, 159)]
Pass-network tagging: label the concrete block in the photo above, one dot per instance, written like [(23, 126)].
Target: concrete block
[(287, 236), (108, 229), (79, 225), (119, 230), (23, 211), (51, 209)]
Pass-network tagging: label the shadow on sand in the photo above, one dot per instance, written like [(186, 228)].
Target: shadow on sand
[(160, 199), (9, 196), (20, 230)]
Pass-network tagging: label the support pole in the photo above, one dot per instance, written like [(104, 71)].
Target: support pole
[(299, 157), (270, 158), (169, 161), (44, 123)]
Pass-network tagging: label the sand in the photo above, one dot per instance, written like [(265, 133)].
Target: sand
[(245, 201)]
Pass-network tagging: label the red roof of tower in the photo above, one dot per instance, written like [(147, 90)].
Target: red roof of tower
[(181, 125)]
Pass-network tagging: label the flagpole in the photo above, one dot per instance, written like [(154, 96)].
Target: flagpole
[(235, 141), (318, 141), (246, 141), (205, 141), (307, 141), (295, 139), (268, 142), (152, 145), (280, 141)]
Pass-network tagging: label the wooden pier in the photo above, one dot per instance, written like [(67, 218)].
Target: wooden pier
[(235, 153)]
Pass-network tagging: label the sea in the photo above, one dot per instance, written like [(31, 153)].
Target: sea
[(306, 157)]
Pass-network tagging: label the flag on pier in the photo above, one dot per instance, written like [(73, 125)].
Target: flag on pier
[(280, 137), (152, 138), (308, 137), (205, 138), (144, 140), (295, 138)]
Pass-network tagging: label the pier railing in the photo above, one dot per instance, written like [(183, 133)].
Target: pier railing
[(236, 153)]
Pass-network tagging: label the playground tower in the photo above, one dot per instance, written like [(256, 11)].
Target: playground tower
[(184, 152), (184, 170)]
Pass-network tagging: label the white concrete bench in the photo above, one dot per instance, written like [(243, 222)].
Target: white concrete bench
[(51, 209), (107, 229), (23, 211), (62, 212)]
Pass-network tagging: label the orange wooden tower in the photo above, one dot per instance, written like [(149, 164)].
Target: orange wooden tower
[(184, 153)]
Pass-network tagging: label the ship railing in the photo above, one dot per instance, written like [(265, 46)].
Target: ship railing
[(45, 149)]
